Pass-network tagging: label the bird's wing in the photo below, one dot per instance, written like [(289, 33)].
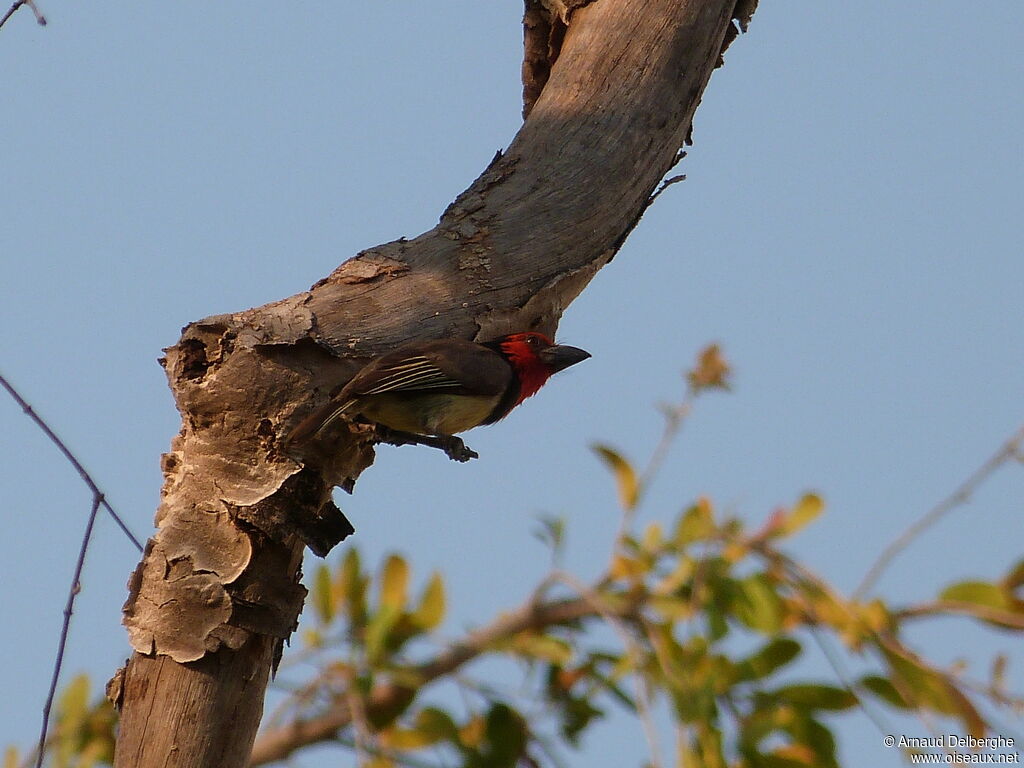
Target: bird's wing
[(446, 365), (410, 373), (450, 365)]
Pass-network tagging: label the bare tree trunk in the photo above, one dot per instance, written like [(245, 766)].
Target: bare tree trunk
[(218, 589)]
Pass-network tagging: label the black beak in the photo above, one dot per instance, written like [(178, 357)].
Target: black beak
[(559, 356)]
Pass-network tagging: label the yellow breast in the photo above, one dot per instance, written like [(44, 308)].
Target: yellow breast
[(427, 413)]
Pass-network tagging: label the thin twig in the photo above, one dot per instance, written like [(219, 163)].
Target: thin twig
[(96, 492), (644, 696), (362, 736), (40, 19), (674, 417), (665, 185), (76, 587), (1007, 618), (851, 685), (1009, 451)]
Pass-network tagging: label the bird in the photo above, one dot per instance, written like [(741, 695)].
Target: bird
[(438, 388)]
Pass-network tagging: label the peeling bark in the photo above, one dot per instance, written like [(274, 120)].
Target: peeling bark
[(218, 589)]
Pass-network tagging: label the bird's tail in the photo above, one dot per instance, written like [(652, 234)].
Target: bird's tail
[(311, 426)]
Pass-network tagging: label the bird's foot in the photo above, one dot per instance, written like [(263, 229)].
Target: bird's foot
[(457, 450), (454, 448)]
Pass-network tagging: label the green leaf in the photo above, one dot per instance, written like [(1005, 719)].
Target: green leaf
[(551, 532), (680, 575), (506, 737), (72, 715), (625, 475), (73, 705), (545, 647), (394, 583), (577, 714), (437, 723), (383, 716), (978, 593), (431, 610), (812, 696), (771, 656), (806, 511), (757, 604), (696, 523), (884, 690), (672, 608), (930, 688), (323, 600), (378, 633), (820, 739), (406, 739), (350, 588)]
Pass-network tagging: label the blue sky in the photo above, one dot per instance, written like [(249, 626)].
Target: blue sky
[(849, 232)]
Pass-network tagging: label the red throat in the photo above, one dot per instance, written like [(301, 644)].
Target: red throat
[(531, 371)]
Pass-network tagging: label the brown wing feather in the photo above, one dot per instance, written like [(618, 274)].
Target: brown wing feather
[(454, 366)]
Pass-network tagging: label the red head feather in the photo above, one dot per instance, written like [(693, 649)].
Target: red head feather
[(522, 350)]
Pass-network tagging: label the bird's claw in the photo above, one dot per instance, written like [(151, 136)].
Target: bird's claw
[(453, 447), (457, 450)]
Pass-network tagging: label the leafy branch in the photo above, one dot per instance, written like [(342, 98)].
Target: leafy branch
[(708, 617)]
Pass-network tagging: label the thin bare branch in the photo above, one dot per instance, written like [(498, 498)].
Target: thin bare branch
[(644, 696), (86, 477), (960, 608), (1008, 452), (76, 587), (40, 19)]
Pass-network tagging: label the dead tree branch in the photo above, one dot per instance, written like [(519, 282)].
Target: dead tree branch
[(218, 590)]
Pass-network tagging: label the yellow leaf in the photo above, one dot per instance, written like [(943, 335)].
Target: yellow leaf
[(11, 758), (696, 523), (437, 723), (679, 576), (407, 739), (313, 638), (394, 583), (625, 475), (432, 605), (805, 511), (797, 753), (734, 551), (653, 538), (672, 608), (323, 600), (545, 647), (73, 704), (875, 615), (978, 593), (472, 733), (712, 370), (349, 588), (623, 567)]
